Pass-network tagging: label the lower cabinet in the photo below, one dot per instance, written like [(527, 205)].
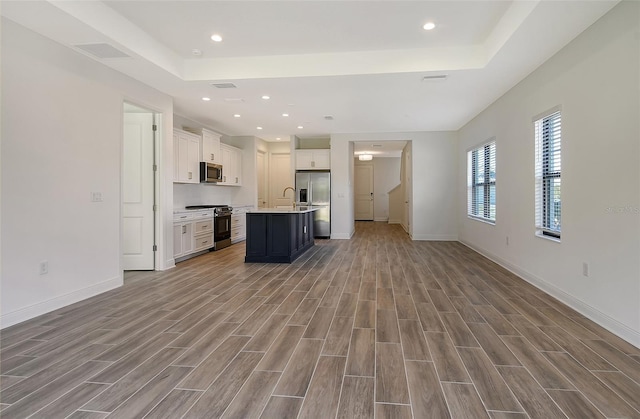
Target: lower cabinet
[(238, 224), (192, 233), (278, 237), (182, 238)]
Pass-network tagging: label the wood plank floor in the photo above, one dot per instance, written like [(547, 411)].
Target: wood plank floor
[(373, 327)]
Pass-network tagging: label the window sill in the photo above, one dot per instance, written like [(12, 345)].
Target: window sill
[(482, 220), (550, 238)]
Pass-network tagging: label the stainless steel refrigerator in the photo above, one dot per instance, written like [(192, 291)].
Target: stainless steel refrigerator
[(313, 188)]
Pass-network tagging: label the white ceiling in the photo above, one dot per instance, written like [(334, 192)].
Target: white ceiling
[(361, 62)]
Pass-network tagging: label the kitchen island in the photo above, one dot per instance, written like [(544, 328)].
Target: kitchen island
[(278, 235)]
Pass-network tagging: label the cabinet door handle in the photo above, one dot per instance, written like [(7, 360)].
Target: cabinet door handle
[(190, 175), (213, 156), (184, 229), (184, 216), (236, 180)]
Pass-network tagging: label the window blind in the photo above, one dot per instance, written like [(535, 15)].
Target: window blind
[(548, 167), (481, 182)]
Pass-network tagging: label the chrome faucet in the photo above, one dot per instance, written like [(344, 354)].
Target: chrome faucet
[(294, 195)]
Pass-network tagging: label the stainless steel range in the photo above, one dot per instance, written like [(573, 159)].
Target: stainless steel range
[(221, 224)]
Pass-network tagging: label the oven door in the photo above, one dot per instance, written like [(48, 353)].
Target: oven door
[(221, 228)]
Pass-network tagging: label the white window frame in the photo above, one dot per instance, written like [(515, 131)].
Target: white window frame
[(548, 173), (486, 184)]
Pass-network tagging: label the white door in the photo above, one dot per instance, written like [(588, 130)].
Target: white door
[(407, 193), (281, 177), (363, 187), (138, 192), (262, 179)]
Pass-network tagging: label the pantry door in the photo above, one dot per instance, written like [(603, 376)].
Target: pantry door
[(138, 244)]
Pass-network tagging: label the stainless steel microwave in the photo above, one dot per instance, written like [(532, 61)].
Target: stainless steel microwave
[(210, 172)]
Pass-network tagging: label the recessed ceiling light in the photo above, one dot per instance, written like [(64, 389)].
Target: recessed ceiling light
[(365, 157), (206, 99), (265, 97), (428, 26), (278, 138), (300, 127), (258, 127), (237, 115), (216, 38), (285, 114)]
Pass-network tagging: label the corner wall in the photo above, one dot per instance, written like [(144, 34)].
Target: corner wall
[(61, 140), (596, 80)]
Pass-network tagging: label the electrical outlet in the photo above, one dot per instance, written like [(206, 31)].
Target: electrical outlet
[(585, 269), (44, 267)]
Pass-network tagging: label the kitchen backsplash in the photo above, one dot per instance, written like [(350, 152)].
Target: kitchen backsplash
[(194, 194)]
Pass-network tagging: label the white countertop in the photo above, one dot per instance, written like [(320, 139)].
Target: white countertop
[(298, 210)]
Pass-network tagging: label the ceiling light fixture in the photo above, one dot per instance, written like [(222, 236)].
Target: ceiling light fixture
[(278, 138), (265, 97), (236, 115), (365, 157), (206, 99), (216, 38), (258, 127), (300, 127), (428, 26), (285, 114)]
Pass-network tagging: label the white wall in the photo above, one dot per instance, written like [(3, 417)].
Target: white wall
[(596, 80), (62, 140), (434, 203), (386, 176)]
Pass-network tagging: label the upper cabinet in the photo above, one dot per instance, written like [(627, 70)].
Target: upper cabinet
[(231, 165), (211, 147), (186, 154), (319, 159)]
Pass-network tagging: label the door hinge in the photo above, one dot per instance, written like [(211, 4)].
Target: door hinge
[(155, 248), (154, 127), (155, 167), (155, 207)]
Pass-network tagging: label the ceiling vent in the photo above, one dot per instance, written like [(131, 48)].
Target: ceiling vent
[(437, 77), (102, 50), (376, 145), (224, 85), (233, 99), (328, 117)]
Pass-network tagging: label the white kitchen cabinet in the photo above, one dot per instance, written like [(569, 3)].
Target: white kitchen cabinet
[(211, 147), (231, 165), (186, 157), (319, 159), (182, 238), (238, 224), (192, 232)]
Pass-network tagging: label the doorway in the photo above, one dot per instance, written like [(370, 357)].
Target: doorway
[(363, 192), (138, 188), (280, 178)]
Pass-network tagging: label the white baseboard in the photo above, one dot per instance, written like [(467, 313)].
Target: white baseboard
[(381, 219), (168, 264), (435, 237), (393, 221), (26, 313), (614, 326), (342, 236)]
